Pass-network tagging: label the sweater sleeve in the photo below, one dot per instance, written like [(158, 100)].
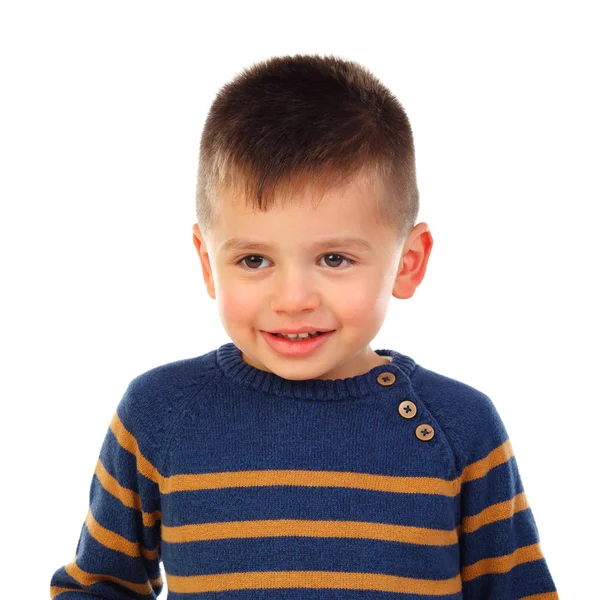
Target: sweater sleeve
[(501, 556), (118, 552)]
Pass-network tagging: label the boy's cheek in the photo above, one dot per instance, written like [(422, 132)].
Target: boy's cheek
[(236, 306), (355, 301), (358, 303)]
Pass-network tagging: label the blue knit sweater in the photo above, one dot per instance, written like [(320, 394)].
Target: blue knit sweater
[(398, 483)]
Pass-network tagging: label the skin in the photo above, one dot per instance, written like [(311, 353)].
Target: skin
[(291, 285)]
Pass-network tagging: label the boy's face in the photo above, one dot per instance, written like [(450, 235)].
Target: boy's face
[(295, 284)]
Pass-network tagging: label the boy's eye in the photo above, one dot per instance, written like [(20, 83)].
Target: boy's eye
[(256, 258), (253, 258)]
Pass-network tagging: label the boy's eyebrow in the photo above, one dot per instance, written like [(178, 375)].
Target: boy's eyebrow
[(243, 244)]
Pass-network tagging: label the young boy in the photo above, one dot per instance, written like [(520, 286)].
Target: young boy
[(297, 462)]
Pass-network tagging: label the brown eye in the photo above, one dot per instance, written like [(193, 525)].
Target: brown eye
[(253, 258), (337, 258)]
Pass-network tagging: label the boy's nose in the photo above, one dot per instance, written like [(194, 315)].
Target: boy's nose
[(295, 293)]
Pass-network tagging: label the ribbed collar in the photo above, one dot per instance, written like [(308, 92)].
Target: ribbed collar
[(229, 359)]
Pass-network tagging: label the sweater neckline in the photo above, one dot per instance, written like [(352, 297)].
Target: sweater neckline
[(229, 359)]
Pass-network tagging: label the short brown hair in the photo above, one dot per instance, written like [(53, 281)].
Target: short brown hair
[(306, 119)]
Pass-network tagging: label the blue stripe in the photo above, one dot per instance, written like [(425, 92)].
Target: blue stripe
[(312, 554), (312, 503)]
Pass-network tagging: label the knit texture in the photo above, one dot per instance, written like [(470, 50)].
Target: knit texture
[(246, 486)]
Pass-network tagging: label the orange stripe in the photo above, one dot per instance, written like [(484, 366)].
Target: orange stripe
[(502, 564), (129, 443), (495, 512), (114, 541), (481, 467), (546, 596), (87, 579), (56, 590), (125, 495), (291, 527), (311, 579), (366, 481)]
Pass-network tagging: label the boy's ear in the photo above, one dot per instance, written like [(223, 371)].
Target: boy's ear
[(415, 255), (202, 251)]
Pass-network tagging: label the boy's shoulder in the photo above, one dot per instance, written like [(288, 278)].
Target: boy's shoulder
[(466, 416), (455, 399), (177, 375), (157, 398)]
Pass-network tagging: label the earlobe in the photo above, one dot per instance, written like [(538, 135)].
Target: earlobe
[(413, 265)]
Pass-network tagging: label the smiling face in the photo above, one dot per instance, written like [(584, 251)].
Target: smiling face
[(286, 276)]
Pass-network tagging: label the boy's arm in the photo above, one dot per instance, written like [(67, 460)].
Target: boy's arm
[(501, 556), (118, 552)]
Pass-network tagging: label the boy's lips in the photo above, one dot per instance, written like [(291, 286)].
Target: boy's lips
[(298, 346), (302, 330)]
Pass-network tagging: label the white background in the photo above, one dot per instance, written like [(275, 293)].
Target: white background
[(103, 105)]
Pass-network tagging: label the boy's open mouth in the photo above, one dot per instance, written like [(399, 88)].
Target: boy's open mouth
[(298, 337), (297, 344)]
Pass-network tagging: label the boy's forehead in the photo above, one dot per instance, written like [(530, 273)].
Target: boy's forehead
[(347, 224), (304, 221), (359, 198)]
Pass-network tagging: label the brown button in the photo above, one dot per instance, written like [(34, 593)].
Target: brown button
[(386, 378), (424, 432), (407, 409)]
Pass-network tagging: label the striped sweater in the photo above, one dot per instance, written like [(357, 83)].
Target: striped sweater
[(399, 482)]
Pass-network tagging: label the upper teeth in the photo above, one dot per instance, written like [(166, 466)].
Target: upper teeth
[(293, 336)]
